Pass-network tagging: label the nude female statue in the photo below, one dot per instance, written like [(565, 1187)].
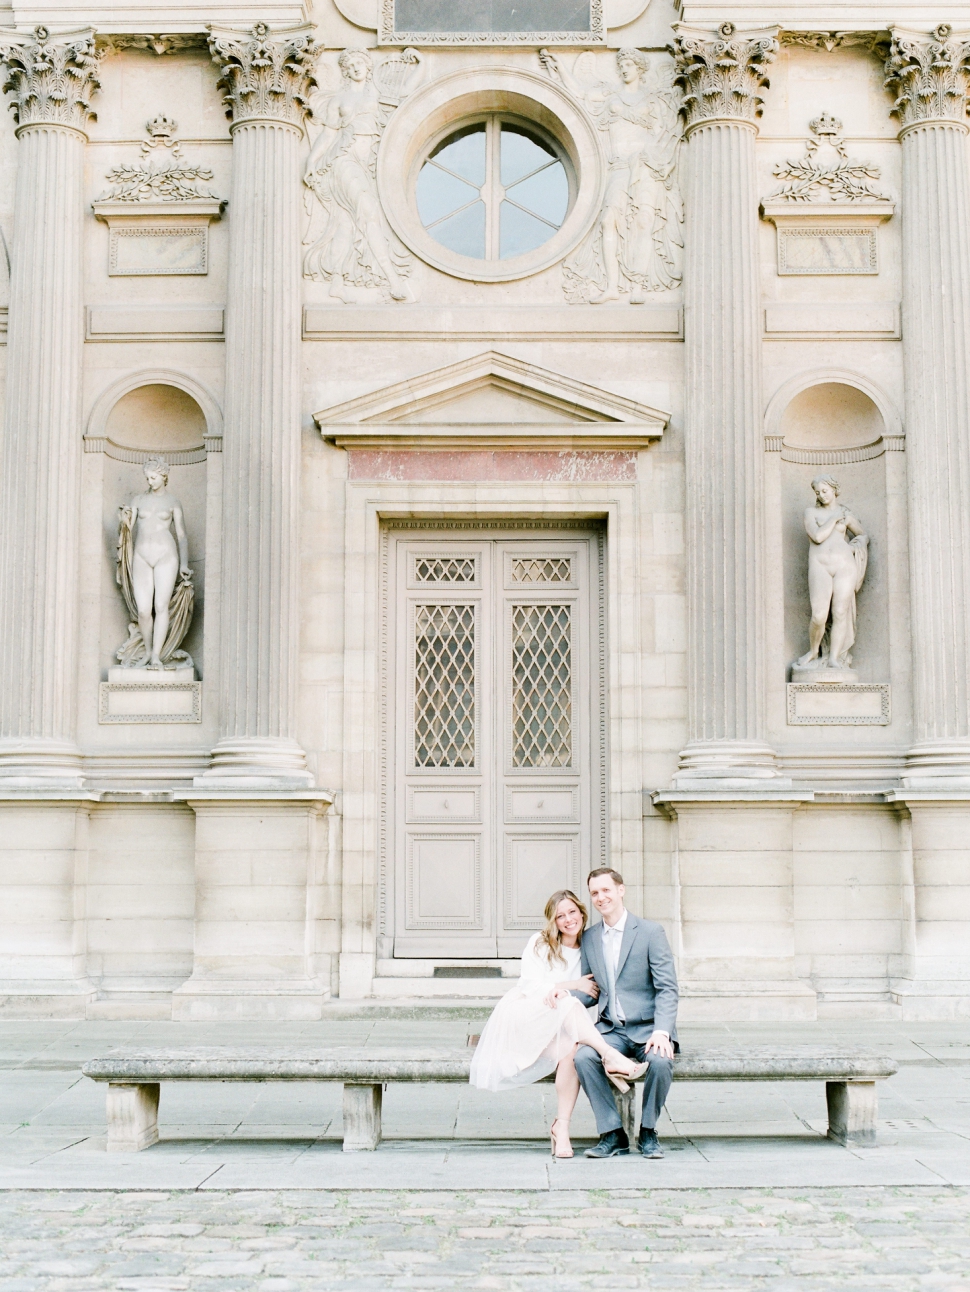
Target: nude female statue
[(636, 242), (836, 568), (150, 560)]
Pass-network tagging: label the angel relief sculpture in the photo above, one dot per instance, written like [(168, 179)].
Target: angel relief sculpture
[(154, 576), (348, 240), (636, 244)]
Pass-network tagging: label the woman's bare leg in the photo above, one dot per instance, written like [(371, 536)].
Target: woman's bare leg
[(586, 1034), (567, 1092), (567, 1087)]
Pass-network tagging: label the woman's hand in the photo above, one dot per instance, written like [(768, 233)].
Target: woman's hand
[(557, 994)]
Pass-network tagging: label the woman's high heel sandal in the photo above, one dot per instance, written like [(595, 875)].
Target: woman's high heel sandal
[(623, 1080), (552, 1140)]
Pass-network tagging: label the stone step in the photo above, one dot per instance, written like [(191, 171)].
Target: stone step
[(434, 988), (471, 1009)]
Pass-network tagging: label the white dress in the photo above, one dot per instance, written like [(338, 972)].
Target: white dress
[(524, 1039)]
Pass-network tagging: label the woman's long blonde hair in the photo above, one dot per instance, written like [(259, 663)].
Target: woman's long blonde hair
[(550, 934)]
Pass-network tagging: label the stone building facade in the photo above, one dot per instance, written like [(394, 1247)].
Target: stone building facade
[(450, 445)]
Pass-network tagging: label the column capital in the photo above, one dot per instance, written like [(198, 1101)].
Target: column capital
[(51, 78), (721, 72), (930, 75), (266, 75)]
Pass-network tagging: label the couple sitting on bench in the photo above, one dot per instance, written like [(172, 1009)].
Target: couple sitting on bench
[(543, 1024)]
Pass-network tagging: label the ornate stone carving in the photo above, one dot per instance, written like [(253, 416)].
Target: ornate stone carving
[(722, 75), (876, 42), (836, 569), (173, 181), (160, 43), (348, 241), (266, 75), (153, 575), (825, 173), (51, 78), (930, 77), (636, 244)]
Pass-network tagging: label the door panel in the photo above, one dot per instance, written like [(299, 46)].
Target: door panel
[(444, 881), (536, 866), (495, 787)]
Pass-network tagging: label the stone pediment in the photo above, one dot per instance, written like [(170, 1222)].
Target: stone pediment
[(491, 400)]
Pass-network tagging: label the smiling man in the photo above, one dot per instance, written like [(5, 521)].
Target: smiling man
[(632, 964)]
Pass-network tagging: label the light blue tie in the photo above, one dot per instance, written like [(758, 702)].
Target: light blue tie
[(610, 974)]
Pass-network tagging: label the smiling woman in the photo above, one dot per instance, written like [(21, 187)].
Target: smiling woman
[(493, 190)]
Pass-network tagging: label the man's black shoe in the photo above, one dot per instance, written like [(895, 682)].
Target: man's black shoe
[(613, 1144), (648, 1144)]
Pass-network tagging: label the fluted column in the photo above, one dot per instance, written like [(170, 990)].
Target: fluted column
[(51, 80), (721, 74), (930, 77), (266, 76)]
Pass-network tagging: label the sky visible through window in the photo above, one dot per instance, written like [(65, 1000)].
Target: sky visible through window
[(492, 191)]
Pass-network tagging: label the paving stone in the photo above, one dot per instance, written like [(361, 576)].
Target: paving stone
[(912, 1239)]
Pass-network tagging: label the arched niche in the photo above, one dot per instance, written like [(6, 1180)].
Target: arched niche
[(135, 420), (843, 427), (831, 415)]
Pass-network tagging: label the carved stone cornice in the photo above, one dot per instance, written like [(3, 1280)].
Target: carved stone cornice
[(51, 78), (874, 42), (266, 75), (722, 73), (929, 75)]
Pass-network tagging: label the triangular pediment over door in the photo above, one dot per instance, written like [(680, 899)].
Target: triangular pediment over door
[(492, 401)]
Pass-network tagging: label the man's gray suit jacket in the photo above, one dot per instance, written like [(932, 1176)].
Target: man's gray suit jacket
[(646, 982)]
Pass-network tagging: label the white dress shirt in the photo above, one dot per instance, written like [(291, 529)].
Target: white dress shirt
[(612, 941)]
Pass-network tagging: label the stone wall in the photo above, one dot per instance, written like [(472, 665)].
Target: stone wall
[(211, 273)]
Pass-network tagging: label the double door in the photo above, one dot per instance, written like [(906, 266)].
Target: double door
[(497, 794)]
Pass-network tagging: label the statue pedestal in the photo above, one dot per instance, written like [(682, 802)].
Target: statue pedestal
[(148, 695), (819, 702), (822, 673)]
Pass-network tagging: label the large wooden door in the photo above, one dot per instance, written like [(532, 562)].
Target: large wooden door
[(495, 791)]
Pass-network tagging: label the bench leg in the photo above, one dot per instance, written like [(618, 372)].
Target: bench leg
[(853, 1106), (132, 1117), (626, 1106), (362, 1117)]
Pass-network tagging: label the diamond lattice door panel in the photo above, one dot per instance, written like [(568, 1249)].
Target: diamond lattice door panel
[(495, 735)]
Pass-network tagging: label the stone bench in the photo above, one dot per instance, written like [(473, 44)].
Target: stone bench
[(134, 1077)]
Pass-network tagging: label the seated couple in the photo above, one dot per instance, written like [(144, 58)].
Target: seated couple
[(542, 1025)]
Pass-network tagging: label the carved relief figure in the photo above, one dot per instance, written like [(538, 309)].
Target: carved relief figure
[(353, 246), (836, 569), (150, 560), (636, 244)]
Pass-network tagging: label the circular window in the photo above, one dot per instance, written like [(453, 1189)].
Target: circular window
[(493, 190), (490, 174)]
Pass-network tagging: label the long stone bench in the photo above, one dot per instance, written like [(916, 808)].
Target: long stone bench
[(134, 1077)]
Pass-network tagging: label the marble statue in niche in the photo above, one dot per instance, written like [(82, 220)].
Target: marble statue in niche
[(837, 557), (636, 245), (154, 576), (348, 240)]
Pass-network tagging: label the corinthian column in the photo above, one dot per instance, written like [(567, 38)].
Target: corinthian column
[(266, 76), (51, 80), (930, 76), (721, 75)]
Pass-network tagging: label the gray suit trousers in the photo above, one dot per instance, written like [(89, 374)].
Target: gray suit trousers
[(599, 1089)]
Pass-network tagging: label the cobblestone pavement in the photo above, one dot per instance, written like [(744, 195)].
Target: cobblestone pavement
[(782, 1240)]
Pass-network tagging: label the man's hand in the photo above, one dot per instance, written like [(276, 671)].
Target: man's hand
[(661, 1044)]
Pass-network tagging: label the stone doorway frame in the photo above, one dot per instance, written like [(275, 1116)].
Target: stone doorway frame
[(368, 505)]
